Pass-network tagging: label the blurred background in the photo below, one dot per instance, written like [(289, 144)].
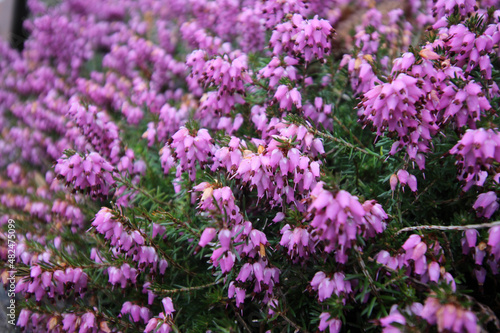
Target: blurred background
[(12, 15)]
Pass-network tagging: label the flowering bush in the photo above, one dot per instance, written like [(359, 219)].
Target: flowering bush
[(226, 165)]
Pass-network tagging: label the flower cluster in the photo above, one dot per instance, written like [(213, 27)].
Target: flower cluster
[(326, 286), (449, 317), (415, 261), (338, 218), (278, 69), (131, 242), (163, 323), (90, 174), (404, 178), (136, 313), (53, 283), (276, 170), (217, 138), (298, 241), (476, 153), (97, 129), (394, 107), (186, 148), (229, 74), (301, 37)]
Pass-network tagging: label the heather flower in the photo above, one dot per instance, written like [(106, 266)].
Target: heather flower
[(207, 236), (394, 317), (326, 286), (486, 204), (278, 69), (287, 97), (302, 37), (395, 107), (475, 152), (333, 324), (330, 213), (494, 241), (237, 293), (98, 130), (187, 148), (168, 306), (448, 317), (89, 174), (164, 320)]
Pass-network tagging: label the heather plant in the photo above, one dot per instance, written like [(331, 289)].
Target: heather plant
[(244, 166)]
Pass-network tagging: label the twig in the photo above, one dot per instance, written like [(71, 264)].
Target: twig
[(425, 190), (342, 142), (240, 319), (451, 227), (257, 83), (142, 191), (180, 222), (393, 271), (486, 310), (170, 260), (365, 272), (186, 289), (288, 320), (447, 248), (420, 194), (337, 120)]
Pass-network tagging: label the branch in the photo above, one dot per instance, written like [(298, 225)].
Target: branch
[(134, 187), (451, 227), (393, 271), (491, 316), (240, 319), (337, 120), (288, 320), (169, 259), (365, 272), (186, 289), (342, 142)]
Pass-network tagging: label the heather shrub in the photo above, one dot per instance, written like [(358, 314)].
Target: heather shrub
[(253, 166)]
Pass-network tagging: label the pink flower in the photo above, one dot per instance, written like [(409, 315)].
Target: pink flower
[(207, 236), (486, 204), (434, 271), (325, 322), (152, 323), (411, 242), (168, 306)]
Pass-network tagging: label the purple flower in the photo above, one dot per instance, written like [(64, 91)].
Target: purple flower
[(486, 204), (88, 174), (168, 306), (152, 324), (325, 322)]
